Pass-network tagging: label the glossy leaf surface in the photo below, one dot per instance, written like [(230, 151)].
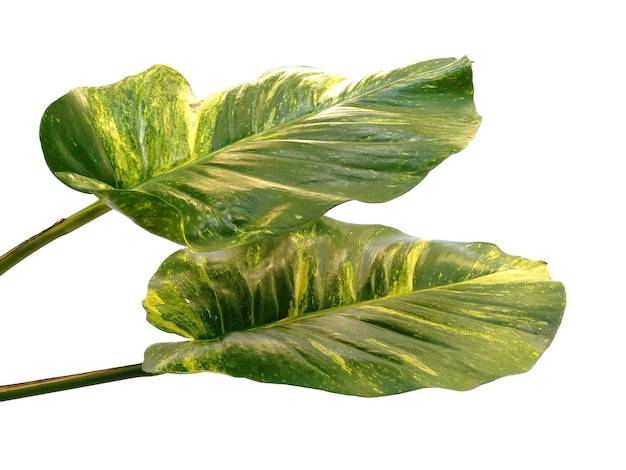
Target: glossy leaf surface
[(260, 159), (354, 309)]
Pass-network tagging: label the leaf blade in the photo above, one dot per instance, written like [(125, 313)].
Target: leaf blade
[(262, 158), (369, 311)]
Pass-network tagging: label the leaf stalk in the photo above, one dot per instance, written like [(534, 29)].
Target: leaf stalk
[(68, 382), (58, 229)]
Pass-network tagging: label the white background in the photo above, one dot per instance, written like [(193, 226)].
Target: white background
[(542, 179)]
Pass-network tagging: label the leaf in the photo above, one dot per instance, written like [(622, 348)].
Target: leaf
[(260, 159), (354, 309)]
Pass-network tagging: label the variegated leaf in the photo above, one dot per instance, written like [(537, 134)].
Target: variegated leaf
[(362, 310), (259, 159)]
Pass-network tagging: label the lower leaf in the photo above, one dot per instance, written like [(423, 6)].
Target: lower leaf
[(354, 309)]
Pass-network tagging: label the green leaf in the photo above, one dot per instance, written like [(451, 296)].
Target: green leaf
[(354, 309), (260, 159)]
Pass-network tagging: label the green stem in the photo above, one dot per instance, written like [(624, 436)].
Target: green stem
[(62, 227), (38, 387)]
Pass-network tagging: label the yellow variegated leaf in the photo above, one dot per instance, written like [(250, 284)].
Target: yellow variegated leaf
[(362, 310), (262, 158)]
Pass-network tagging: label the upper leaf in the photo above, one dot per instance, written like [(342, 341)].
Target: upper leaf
[(362, 310), (259, 159)]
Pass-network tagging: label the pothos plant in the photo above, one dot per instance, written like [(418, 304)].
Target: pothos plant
[(267, 287)]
